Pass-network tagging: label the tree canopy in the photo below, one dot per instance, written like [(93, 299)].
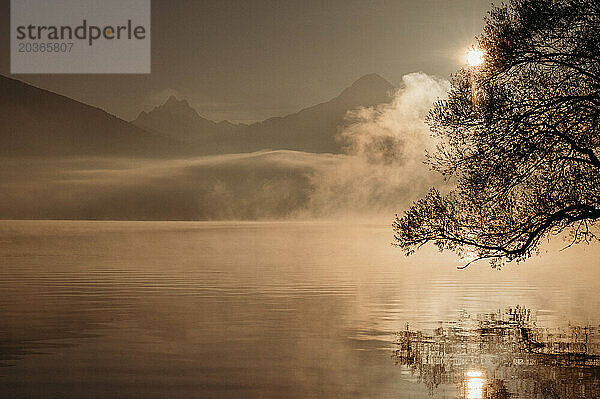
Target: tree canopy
[(519, 137)]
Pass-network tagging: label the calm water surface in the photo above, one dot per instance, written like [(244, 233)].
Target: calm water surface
[(294, 310)]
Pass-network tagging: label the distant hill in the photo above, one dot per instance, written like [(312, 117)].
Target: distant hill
[(37, 122), (312, 129)]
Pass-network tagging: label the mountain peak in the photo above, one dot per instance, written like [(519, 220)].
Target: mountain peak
[(174, 107), (371, 79), (177, 119), (371, 88), (174, 102)]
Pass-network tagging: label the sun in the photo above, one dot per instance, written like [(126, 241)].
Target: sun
[(475, 57)]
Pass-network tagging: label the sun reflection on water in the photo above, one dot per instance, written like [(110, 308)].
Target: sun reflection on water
[(474, 384), (504, 354)]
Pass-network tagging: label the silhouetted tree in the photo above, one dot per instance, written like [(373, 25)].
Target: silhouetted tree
[(519, 135)]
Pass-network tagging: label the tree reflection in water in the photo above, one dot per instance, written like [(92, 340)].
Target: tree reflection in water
[(504, 354)]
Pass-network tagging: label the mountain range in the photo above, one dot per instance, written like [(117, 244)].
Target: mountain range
[(312, 129), (62, 159), (35, 121)]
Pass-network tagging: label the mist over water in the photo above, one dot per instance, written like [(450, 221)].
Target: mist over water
[(380, 173), (384, 170)]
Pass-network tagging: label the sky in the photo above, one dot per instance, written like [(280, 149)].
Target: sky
[(248, 60)]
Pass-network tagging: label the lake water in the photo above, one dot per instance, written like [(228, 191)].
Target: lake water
[(284, 310)]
